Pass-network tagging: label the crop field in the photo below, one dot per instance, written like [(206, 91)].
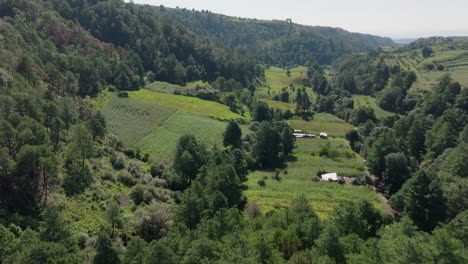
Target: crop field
[(322, 122), (131, 119), (455, 63), (299, 178), (189, 104), (161, 143), (363, 100)]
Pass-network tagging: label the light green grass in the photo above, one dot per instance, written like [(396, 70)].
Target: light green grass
[(161, 143), (301, 175), (277, 79), (322, 122), (280, 105), (363, 100), (131, 119), (324, 196), (163, 87), (87, 214), (189, 104)]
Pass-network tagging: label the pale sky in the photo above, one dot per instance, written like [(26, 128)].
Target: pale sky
[(391, 18)]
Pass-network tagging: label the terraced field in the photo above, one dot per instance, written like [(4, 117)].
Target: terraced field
[(189, 104), (161, 143), (131, 119)]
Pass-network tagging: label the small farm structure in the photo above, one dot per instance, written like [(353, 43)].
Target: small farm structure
[(330, 177)]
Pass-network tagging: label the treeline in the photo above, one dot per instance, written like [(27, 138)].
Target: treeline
[(155, 45), (278, 43)]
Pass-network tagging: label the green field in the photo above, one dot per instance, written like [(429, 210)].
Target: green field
[(161, 143), (363, 100), (131, 119), (322, 122), (189, 104), (277, 79), (163, 87), (300, 179), (280, 105)]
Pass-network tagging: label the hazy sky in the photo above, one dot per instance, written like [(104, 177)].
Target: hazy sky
[(392, 18)]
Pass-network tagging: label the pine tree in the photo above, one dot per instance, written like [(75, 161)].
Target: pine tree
[(232, 135)]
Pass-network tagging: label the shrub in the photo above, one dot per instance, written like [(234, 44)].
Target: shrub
[(108, 176), (122, 94), (252, 210), (126, 178), (261, 183), (160, 183), (153, 221), (157, 170), (130, 153), (135, 169), (118, 161), (138, 194)]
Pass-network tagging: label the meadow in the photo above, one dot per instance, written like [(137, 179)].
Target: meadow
[(131, 119), (280, 105), (363, 100), (277, 79), (189, 104), (323, 122)]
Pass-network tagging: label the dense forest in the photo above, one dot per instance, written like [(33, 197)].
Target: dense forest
[(59, 58), (280, 43)]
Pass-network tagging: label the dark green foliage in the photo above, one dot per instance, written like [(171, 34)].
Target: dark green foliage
[(262, 112), (358, 218), (422, 199), (53, 227), (396, 171), (361, 115), (303, 104), (105, 250), (287, 141), (189, 158), (160, 254), (384, 144), (153, 221), (276, 42), (156, 44), (267, 147), (232, 135), (427, 52)]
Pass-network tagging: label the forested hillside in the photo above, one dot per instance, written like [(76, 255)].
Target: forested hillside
[(156, 45), (125, 138), (278, 43)]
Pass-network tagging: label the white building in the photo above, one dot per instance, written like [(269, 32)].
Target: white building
[(330, 177)]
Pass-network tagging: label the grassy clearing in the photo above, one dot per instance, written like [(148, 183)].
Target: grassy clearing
[(189, 104), (301, 175), (161, 143), (163, 87), (323, 122), (363, 100), (280, 105), (277, 79), (131, 119)]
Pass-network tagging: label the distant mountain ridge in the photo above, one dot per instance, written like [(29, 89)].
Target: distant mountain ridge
[(275, 42)]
